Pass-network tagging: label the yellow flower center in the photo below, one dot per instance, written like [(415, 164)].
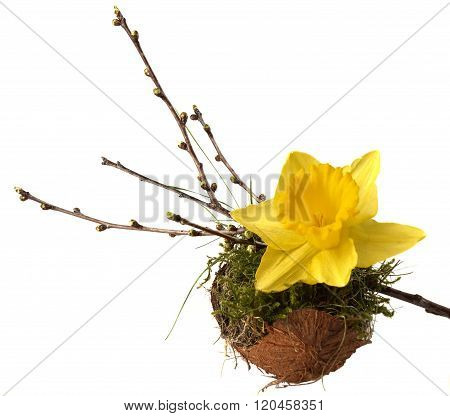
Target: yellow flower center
[(317, 204)]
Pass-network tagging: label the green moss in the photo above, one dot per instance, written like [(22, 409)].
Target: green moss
[(242, 311)]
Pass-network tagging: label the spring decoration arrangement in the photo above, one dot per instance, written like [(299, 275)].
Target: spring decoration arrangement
[(299, 277)]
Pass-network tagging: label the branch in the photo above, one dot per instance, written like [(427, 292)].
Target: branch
[(221, 158), (143, 178), (104, 225), (180, 119), (230, 235), (417, 300)]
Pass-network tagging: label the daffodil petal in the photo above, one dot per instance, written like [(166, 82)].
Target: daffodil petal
[(263, 220), (334, 266), (364, 172), (368, 207), (281, 269), (294, 162), (376, 241)]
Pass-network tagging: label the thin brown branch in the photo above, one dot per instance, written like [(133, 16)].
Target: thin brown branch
[(228, 235), (104, 225), (235, 178), (428, 305), (180, 119), (174, 189)]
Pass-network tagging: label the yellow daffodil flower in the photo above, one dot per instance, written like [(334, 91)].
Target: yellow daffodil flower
[(319, 225)]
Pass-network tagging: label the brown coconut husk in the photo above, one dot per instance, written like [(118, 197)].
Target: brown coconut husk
[(302, 348)]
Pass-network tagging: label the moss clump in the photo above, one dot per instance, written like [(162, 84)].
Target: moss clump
[(242, 311)]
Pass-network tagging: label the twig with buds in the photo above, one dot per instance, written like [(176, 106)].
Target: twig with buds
[(221, 158), (143, 178), (230, 235), (181, 119), (105, 225)]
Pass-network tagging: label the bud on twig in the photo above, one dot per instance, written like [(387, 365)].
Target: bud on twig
[(157, 92), (231, 227), (101, 227), (173, 217), (182, 145), (194, 233), (218, 158), (206, 127), (183, 117), (214, 187), (116, 22), (147, 72), (135, 224), (22, 194), (45, 206), (135, 35), (77, 210), (219, 226), (248, 234), (193, 117), (233, 179)]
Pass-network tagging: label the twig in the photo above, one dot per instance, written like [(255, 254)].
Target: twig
[(428, 305), (235, 178), (224, 234), (180, 119), (104, 225), (143, 178)]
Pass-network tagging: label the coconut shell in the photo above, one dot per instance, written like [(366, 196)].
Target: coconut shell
[(304, 347)]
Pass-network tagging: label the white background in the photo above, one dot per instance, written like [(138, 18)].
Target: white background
[(261, 71)]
